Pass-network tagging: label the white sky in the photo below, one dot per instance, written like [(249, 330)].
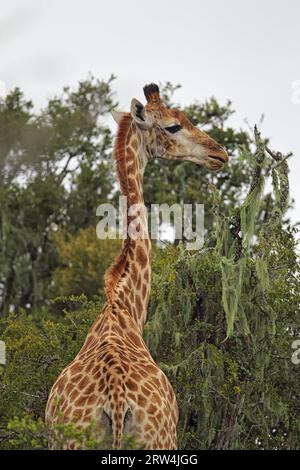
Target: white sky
[(246, 51)]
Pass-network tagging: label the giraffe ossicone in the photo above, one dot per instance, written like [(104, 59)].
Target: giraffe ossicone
[(113, 381)]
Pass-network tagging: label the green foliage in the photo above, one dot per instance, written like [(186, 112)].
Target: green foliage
[(54, 172), (38, 347), (27, 433), (15, 130), (222, 327), (83, 261), (31, 434)]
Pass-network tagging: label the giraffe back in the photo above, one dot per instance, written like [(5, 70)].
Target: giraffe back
[(115, 383)]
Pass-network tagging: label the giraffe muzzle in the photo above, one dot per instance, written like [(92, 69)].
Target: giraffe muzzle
[(216, 162)]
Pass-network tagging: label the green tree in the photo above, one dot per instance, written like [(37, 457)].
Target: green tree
[(54, 171), (38, 347), (83, 259)]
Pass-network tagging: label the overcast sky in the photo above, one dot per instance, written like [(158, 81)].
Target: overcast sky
[(247, 51)]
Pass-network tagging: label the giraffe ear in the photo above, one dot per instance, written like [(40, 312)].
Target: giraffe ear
[(137, 111), (117, 115)]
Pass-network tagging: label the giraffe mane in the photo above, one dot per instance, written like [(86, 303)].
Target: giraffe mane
[(118, 267)]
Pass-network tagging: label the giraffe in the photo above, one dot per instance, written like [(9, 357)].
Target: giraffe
[(113, 381)]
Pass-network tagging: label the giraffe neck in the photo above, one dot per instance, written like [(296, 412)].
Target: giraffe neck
[(127, 281)]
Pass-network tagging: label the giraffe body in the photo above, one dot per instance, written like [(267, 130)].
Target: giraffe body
[(116, 383), (113, 381)]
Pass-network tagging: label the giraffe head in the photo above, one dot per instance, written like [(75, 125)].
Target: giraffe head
[(169, 134)]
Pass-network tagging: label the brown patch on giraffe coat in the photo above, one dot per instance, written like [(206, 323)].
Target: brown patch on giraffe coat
[(97, 374), (155, 380), (141, 400), (81, 400), (134, 273), (139, 305), (131, 255), (63, 406), (121, 295), (122, 321), (156, 398), (151, 409), (90, 341), (136, 377), (108, 357), (77, 415), (89, 367), (112, 363), (101, 385), (147, 427), (126, 290), (76, 378), (98, 328), (68, 411), (146, 390), (150, 434), (131, 396), (62, 382), (134, 338), (139, 282), (90, 388), (141, 257), (144, 291), (73, 395), (116, 328), (88, 411), (132, 385), (83, 383), (152, 370), (75, 368)]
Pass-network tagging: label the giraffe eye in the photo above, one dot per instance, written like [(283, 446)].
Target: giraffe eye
[(173, 129)]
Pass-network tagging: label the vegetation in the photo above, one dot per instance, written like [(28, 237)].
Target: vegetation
[(222, 320)]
